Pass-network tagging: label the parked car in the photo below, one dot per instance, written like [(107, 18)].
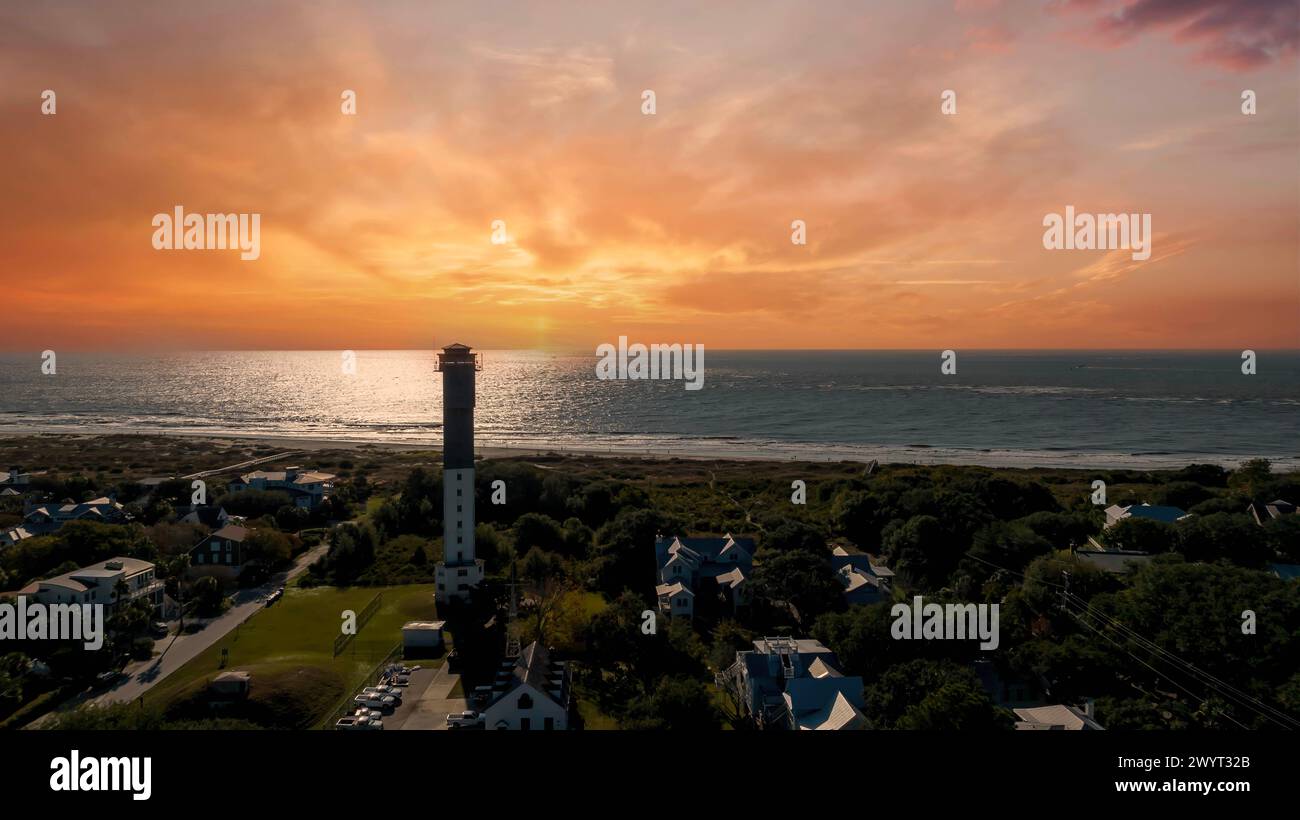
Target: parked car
[(383, 702), (464, 719), (159, 628)]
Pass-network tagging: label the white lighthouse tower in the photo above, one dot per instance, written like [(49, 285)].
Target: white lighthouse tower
[(459, 571)]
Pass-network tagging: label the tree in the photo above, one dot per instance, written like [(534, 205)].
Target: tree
[(676, 704), (268, 547), (207, 596), (922, 552), (537, 530), (926, 694), (793, 535), (1231, 536), (1140, 535), (801, 579)]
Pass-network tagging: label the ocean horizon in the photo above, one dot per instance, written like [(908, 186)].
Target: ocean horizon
[(1064, 408)]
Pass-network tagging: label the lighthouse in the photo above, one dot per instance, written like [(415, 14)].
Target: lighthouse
[(459, 571)]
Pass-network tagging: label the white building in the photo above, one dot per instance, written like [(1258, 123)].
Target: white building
[(531, 692), (99, 584)]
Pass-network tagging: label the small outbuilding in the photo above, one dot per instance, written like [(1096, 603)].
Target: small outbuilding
[(421, 636)]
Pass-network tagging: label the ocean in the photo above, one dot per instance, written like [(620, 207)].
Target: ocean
[(1002, 408)]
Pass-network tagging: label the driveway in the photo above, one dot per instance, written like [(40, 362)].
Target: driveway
[(430, 710)]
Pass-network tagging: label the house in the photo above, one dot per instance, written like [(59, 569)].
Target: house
[(1267, 512), (795, 683), (40, 519), (702, 573), (99, 584), (676, 599), (13, 479), (1115, 562), (1057, 717), (864, 582), (308, 488), (531, 691), (219, 554), (1287, 572), (12, 536), (1116, 513), (214, 518)]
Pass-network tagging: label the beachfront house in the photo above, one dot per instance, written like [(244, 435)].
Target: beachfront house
[(794, 683), (1116, 513), (220, 554), (864, 582), (110, 583), (1263, 513), (41, 519), (307, 488), (703, 575), (531, 692)]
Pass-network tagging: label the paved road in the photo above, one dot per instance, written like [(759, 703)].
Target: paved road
[(183, 648), (431, 709)]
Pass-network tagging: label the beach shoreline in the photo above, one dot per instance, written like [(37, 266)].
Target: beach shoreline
[(801, 452)]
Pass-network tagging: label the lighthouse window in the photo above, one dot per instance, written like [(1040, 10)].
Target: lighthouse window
[(458, 493)]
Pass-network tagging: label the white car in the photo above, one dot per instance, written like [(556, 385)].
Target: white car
[(467, 718), (395, 694), (376, 701)]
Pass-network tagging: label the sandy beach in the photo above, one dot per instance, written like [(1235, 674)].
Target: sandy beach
[(705, 450)]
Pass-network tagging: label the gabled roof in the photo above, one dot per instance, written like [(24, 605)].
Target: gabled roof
[(1058, 716), (230, 532), (838, 714), (673, 589), (532, 667)]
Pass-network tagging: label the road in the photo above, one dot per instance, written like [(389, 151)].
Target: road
[(141, 675), (184, 648)]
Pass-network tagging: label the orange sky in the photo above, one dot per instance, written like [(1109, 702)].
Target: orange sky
[(924, 231)]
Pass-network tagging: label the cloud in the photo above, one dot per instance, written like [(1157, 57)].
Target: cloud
[(1236, 34)]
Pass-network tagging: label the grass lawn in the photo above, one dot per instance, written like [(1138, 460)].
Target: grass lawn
[(288, 648)]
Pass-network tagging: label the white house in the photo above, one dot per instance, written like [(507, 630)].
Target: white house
[(676, 599), (308, 488), (98, 584), (531, 692), (795, 683), (707, 568)]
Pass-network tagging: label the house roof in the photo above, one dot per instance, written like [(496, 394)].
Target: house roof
[(709, 550), (230, 532), (839, 713), (1155, 512), (532, 667), (1058, 716), (673, 589), (78, 578), (1287, 572), (819, 668)]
